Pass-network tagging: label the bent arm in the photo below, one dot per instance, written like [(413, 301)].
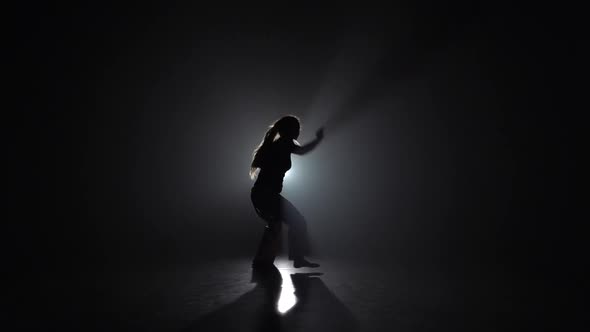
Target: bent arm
[(301, 150)]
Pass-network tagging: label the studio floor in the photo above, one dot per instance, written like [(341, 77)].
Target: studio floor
[(226, 295)]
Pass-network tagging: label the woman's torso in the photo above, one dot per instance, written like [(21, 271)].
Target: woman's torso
[(276, 162)]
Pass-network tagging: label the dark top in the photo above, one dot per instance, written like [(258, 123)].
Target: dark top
[(275, 162)]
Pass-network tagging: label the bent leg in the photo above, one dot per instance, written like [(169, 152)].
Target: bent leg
[(268, 208), (297, 234), (270, 244)]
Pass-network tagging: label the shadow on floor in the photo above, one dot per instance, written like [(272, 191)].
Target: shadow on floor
[(317, 308)]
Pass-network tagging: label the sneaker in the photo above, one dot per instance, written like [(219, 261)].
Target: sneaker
[(261, 264), (302, 262)]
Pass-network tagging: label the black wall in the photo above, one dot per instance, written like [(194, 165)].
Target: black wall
[(451, 133)]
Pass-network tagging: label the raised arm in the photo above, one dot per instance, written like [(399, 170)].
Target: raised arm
[(301, 150)]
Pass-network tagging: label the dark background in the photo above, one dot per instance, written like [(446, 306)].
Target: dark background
[(451, 133)]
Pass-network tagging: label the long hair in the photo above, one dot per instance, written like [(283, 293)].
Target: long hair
[(287, 126)]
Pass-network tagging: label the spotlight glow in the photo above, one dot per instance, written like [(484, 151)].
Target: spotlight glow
[(287, 298)]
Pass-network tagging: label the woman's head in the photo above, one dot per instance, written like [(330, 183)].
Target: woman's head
[(287, 127)]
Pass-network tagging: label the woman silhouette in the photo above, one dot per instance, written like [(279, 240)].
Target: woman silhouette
[(272, 158)]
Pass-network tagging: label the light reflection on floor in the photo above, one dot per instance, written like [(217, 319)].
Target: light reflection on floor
[(222, 296), (287, 298)]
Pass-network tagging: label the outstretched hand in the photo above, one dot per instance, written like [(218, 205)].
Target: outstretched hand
[(320, 133), (301, 150)]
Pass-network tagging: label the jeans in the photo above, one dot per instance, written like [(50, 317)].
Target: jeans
[(275, 210)]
